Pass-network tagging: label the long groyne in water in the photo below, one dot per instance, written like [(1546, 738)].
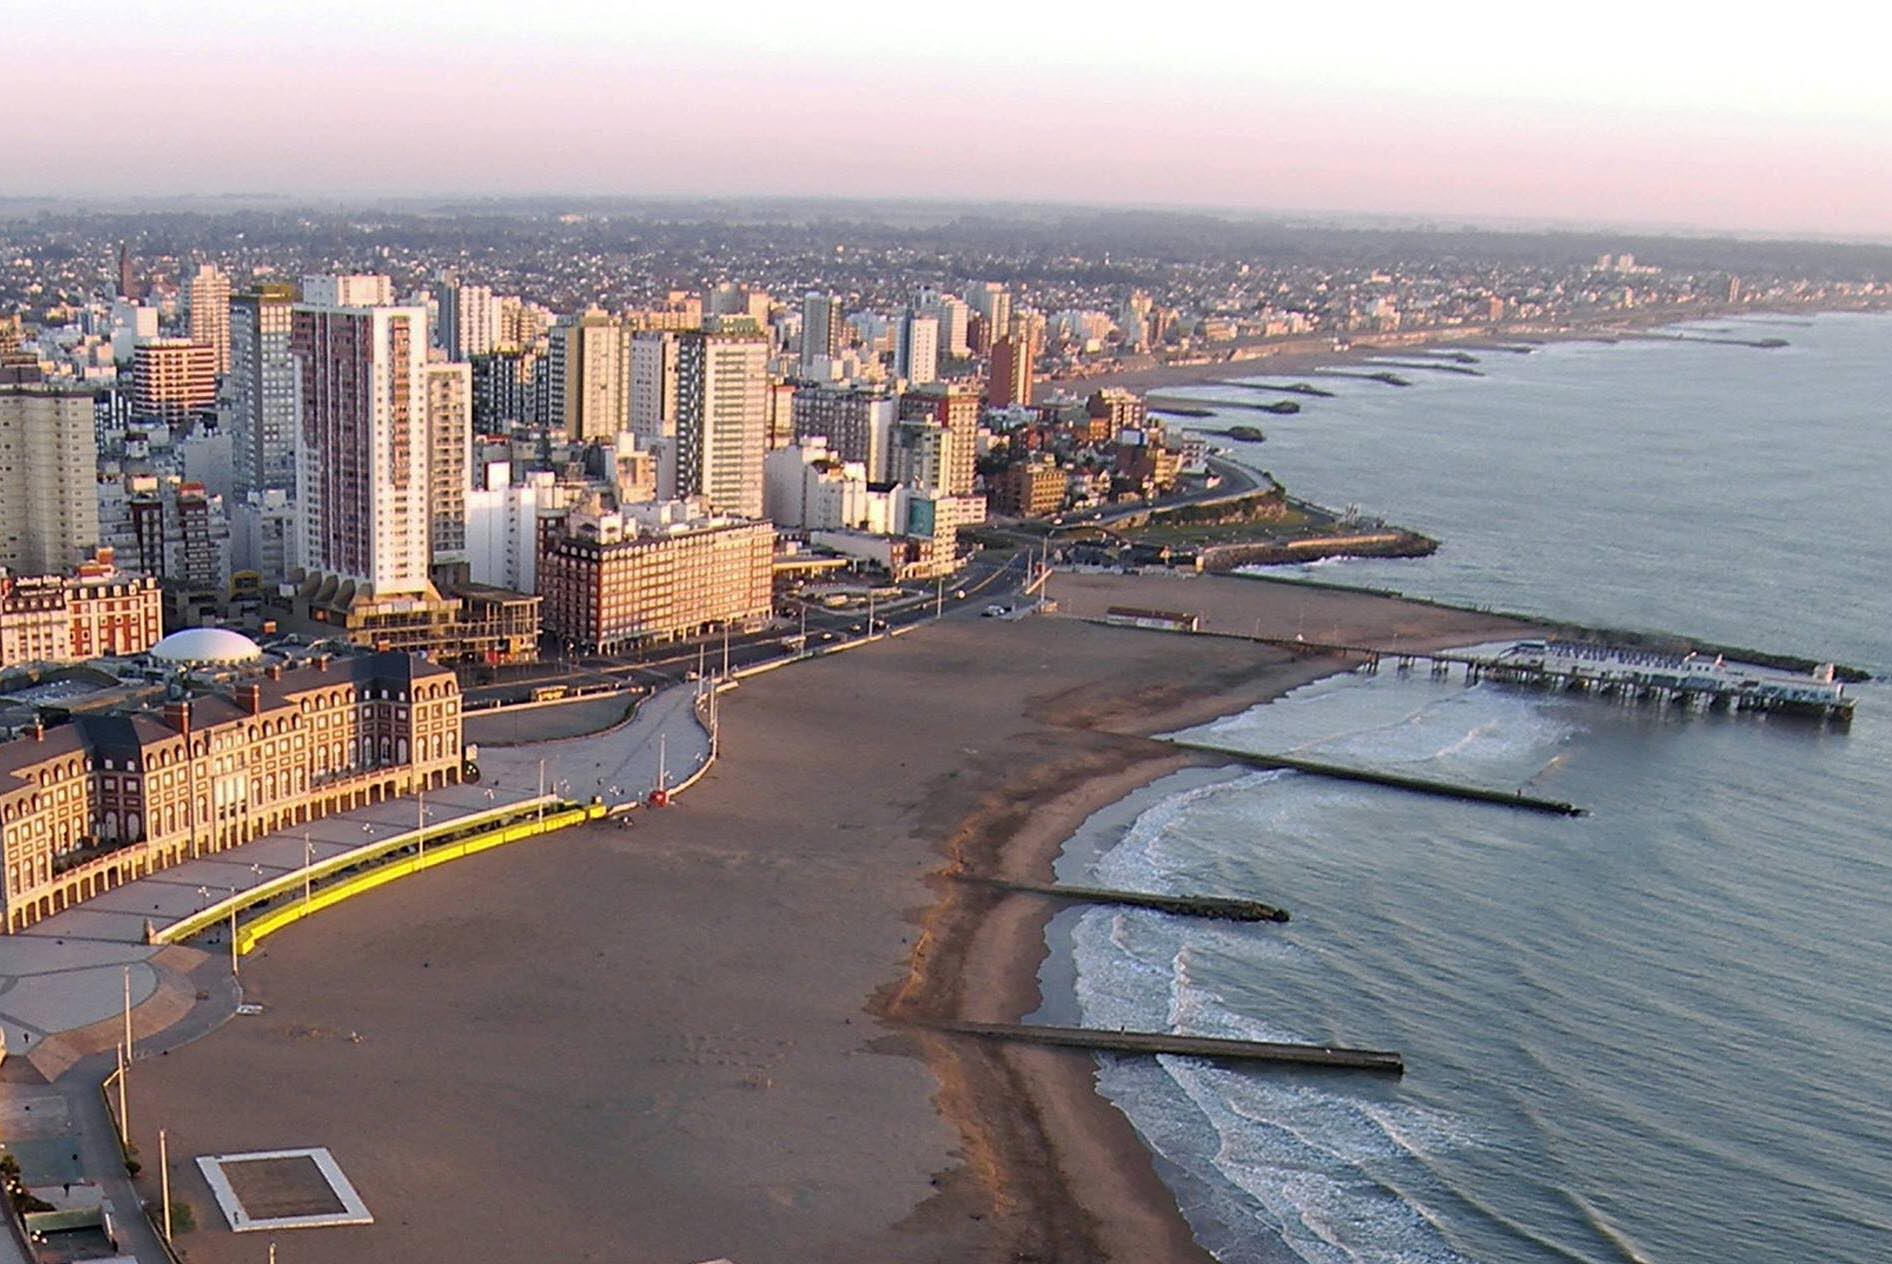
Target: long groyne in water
[(1397, 780), (1214, 907), (1156, 1042)]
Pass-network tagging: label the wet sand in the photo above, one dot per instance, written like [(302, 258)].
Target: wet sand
[(704, 1035)]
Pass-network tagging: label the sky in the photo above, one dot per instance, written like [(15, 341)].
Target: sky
[(1659, 114)]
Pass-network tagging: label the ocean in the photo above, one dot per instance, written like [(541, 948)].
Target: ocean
[(1658, 1033)]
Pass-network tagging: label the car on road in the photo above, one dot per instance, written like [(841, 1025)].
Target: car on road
[(994, 611)]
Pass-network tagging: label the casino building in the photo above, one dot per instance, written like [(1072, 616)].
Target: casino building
[(96, 802)]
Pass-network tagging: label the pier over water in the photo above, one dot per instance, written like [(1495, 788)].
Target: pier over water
[(1631, 674)]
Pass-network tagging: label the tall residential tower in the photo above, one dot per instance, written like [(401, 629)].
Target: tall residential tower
[(363, 463), (723, 416)]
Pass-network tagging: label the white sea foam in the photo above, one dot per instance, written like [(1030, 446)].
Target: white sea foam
[(1329, 1174), (1141, 861), (1308, 1164)]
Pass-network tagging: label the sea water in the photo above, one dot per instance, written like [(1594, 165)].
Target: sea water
[(1661, 1032)]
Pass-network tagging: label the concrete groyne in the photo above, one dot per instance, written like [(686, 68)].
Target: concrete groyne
[(1154, 1042), (1219, 908), (1399, 781)]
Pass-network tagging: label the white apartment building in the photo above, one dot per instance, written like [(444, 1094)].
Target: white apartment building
[(916, 349), (357, 290), (722, 418), (210, 314), (502, 524)]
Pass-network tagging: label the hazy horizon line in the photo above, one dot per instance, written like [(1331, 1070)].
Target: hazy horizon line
[(1344, 219)]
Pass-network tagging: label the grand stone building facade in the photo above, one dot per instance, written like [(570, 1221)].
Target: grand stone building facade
[(104, 799)]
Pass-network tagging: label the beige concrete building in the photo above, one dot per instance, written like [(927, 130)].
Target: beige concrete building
[(210, 314), (1114, 410), (612, 579), (99, 611), (49, 513), (590, 376), (449, 390), (105, 799), (954, 408)]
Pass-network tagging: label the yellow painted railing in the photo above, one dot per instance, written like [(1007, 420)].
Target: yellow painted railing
[(219, 914), (252, 933)]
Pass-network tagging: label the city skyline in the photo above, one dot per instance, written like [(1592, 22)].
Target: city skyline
[(1628, 118)]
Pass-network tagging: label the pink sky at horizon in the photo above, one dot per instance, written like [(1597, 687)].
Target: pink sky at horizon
[(248, 106)]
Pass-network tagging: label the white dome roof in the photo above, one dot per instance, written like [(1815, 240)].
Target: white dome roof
[(207, 645)]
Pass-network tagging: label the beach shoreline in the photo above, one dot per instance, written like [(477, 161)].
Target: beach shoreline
[(981, 952), (1297, 356), (708, 1035)]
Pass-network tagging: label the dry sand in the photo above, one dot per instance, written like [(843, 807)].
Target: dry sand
[(703, 1036)]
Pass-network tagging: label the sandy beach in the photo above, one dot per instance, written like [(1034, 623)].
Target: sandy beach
[(706, 1035)]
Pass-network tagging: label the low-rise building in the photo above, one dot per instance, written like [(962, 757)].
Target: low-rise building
[(901, 556), (97, 802), (99, 611), (615, 578), (482, 624)]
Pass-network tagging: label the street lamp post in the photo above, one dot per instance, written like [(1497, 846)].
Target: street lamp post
[(124, 1111), (164, 1181)]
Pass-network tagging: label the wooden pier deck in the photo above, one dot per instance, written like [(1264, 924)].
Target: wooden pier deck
[(1220, 908), (1156, 1042)]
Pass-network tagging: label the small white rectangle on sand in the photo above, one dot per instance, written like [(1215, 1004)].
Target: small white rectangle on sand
[(296, 1189)]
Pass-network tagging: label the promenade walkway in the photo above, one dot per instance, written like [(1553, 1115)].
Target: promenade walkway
[(620, 765), (69, 971)]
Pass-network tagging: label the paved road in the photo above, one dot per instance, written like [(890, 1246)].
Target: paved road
[(619, 766), (984, 580)]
